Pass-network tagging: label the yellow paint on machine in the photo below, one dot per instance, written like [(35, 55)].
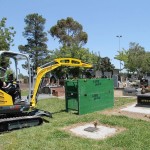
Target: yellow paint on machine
[(5, 99)]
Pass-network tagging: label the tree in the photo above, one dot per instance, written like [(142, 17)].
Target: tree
[(135, 59), (72, 37), (69, 32), (102, 64), (73, 52), (36, 39), (6, 35), (106, 65), (146, 63), (6, 40), (123, 56), (97, 61)]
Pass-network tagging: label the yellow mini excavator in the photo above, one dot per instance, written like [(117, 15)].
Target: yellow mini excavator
[(16, 112)]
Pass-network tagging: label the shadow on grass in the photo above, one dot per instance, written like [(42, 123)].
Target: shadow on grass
[(64, 110)]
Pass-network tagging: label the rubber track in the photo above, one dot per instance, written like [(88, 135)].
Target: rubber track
[(8, 124)]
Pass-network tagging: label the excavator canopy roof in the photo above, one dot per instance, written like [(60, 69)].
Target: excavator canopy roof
[(16, 56)]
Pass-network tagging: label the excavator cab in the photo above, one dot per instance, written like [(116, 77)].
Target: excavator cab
[(12, 87), (10, 92)]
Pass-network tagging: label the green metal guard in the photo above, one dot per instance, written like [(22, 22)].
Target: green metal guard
[(89, 95)]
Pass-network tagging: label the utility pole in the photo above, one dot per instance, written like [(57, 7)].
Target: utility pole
[(119, 36)]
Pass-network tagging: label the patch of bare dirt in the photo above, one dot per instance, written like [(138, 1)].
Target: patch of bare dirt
[(119, 112), (118, 92), (24, 86)]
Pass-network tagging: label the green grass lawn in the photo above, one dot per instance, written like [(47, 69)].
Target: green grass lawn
[(24, 92), (50, 136)]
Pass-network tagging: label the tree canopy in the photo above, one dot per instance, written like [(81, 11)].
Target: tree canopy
[(6, 40), (73, 52), (6, 35), (36, 39), (135, 59), (69, 32), (72, 37)]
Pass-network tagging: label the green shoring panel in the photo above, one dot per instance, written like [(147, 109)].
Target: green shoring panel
[(89, 95)]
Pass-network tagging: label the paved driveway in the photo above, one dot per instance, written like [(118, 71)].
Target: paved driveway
[(45, 96)]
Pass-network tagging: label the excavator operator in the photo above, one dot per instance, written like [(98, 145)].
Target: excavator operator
[(2, 84), (12, 88)]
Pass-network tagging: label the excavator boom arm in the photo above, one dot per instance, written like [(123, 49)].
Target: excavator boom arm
[(41, 71)]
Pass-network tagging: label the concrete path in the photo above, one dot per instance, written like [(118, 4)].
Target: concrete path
[(46, 96)]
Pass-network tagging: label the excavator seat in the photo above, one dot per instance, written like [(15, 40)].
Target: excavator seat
[(13, 89)]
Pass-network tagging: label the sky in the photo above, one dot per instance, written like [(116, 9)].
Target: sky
[(102, 20)]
